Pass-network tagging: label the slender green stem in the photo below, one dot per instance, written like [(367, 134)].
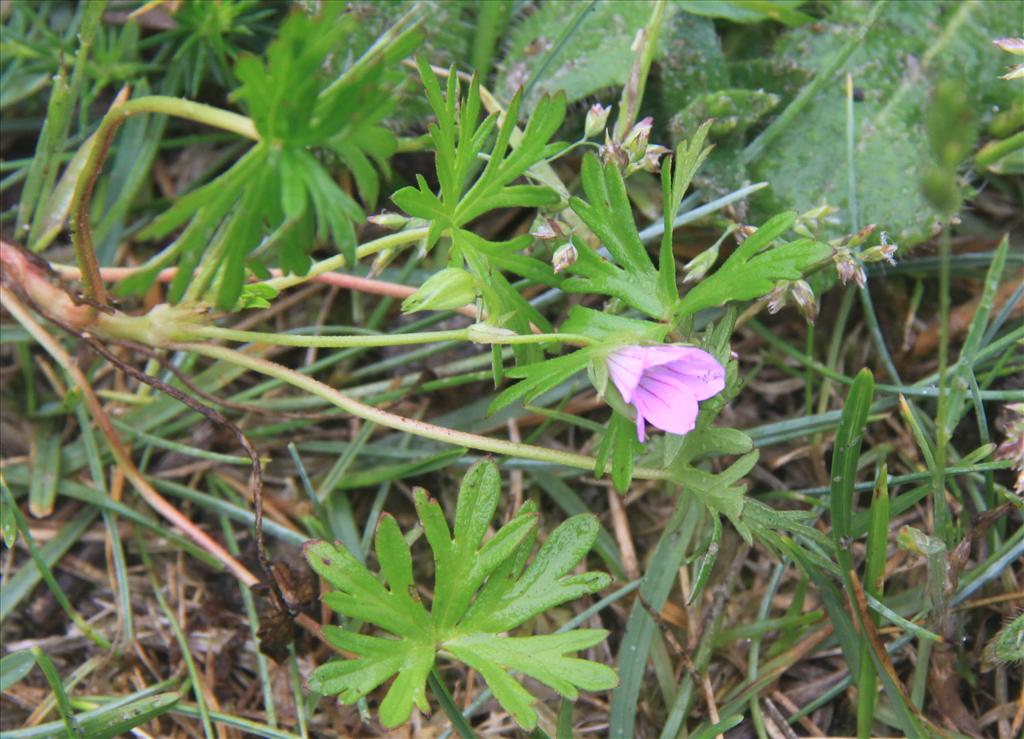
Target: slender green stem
[(459, 722), (384, 243), (81, 231), (182, 108), (995, 150), (633, 90), (377, 340), (400, 423), (851, 169), (942, 431)]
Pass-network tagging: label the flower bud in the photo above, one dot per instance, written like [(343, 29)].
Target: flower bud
[(612, 151), (882, 253), (635, 142), (812, 219), (597, 118), (697, 267), (1012, 45), (803, 296), (777, 298), (548, 229), (384, 219), (564, 257), (861, 236), (448, 289), (651, 161), (743, 232), (849, 268)]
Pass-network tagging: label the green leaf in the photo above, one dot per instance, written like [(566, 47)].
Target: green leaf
[(282, 187), (482, 589), (15, 666), (688, 158), (621, 444), (540, 657), (467, 192), (755, 267), (592, 274), (608, 214), (595, 56), (953, 41), (539, 377), (545, 583), (845, 459), (45, 465), (611, 328), (8, 521), (705, 441), (749, 11), (719, 492)]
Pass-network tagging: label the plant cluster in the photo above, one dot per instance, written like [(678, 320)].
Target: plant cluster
[(532, 249)]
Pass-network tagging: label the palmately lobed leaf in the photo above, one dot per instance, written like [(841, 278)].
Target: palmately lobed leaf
[(483, 587)]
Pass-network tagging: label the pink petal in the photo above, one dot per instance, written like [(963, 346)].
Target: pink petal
[(626, 367), (667, 402), (700, 371)]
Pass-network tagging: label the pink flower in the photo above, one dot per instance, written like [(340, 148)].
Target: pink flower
[(664, 384)]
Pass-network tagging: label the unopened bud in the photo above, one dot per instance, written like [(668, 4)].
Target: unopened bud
[(564, 257), (848, 268), (450, 288), (803, 296), (697, 267), (635, 142), (861, 236), (884, 252), (743, 232), (385, 219), (597, 118), (819, 214), (548, 229), (1012, 45), (612, 151), (813, 217), (777, 298), (651, 161)]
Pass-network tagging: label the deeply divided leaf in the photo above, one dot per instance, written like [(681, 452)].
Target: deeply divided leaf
[(483, 587)]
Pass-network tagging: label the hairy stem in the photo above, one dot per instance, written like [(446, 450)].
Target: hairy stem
[(330, 264), (341, 342), (400, 423)]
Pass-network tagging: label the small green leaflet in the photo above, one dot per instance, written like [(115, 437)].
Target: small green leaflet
[(754, 268), (608, 213)]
